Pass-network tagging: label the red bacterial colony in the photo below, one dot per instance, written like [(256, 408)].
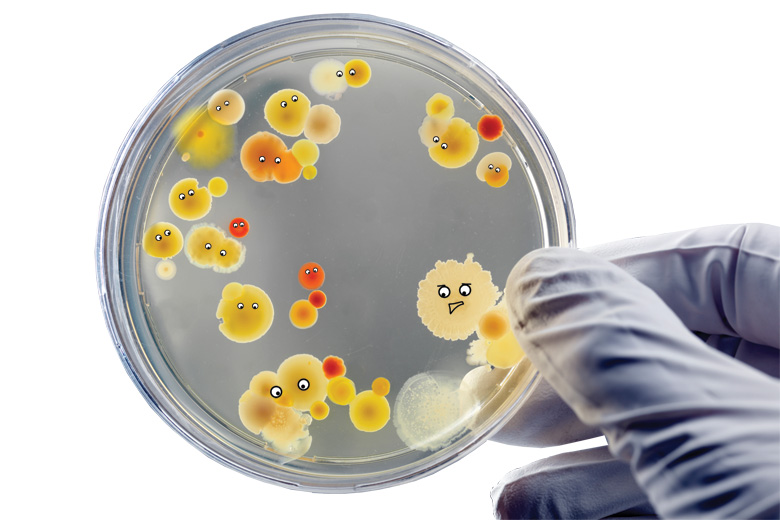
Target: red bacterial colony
[(490, 127), (333, 366), (239, 227), (311, 276), (318, 299)]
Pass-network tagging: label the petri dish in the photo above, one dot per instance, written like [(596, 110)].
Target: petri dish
[(333, 175)]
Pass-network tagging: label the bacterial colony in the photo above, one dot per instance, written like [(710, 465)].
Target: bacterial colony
[(456, 299)]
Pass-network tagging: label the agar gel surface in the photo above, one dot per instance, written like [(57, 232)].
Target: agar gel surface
[(313, 165)]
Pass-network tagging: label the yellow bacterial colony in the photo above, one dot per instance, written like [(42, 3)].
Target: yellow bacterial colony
[(451, 141), (246, 312), (496, 345), (162, 240), (286, 111), (188, 201), (453, 296), (202, 142), (207, 246), (357, 73)]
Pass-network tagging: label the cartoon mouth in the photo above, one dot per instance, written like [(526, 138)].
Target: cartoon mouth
[(454, 305)]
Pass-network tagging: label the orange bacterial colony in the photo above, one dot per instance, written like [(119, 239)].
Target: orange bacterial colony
[(265, 157), (311, 276)]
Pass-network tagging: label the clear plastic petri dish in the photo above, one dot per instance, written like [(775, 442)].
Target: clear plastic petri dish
[(303, 244)]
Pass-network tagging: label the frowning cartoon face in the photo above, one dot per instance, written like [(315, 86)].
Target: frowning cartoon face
[(453, 296)]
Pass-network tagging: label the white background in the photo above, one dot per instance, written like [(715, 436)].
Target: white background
[(664, 116)]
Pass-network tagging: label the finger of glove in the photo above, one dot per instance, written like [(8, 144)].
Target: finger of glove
[(544, 420), (698, 427), (580, 484), (719, 280)]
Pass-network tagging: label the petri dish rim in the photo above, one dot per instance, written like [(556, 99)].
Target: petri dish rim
[(119, 205)]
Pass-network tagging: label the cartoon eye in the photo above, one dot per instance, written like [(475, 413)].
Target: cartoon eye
[(241, 224), (352, 72), (316, 270), (158, 237), (284, 104), (307, 271), (235, 224), (227, 103), (240, 305), (278, 160), (218, 108), (303, 384), (465, 289), (294, 99), (167, 232), (435, 138), (181, 196), (255, 305), (207, 246), (498, 170), (276, 392), (339, 73), (444, 291), (490, 166), (222, 252), (443, 146), (191, 193), (262, 158)]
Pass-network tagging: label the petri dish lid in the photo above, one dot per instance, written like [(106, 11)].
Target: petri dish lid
[(377, 210)]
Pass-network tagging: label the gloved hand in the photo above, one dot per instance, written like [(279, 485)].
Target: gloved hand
[(669, 346)]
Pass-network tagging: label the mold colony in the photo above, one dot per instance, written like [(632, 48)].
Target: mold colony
[(454, 300)]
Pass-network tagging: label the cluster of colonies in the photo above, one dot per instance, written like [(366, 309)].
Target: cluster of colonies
[(454, 300), (452, 142), (304, 313), (330, 77), (280, 405), (245, 311), (188, 201)]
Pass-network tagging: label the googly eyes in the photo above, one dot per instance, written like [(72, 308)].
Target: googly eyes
[(284, 104), (316, 270), (276, 392), (158, 237), (240, 305), (352, 72), (465, 289), (435, 138), (294, 99), (222, 252), (443, 146), (227, 103), (191, 193), (262, 158), (307, 271), (490, 166), (218, 108), (303, 384), (208, 245), (444, 291), (278, 160), (339, 73), (181, 196), (255, 306)]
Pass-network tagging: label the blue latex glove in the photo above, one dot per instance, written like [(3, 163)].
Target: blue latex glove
[(669, 346)]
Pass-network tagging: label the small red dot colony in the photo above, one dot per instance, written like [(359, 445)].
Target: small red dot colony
[(490, 127), (333, 366), (318, 299), (239, 227)]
